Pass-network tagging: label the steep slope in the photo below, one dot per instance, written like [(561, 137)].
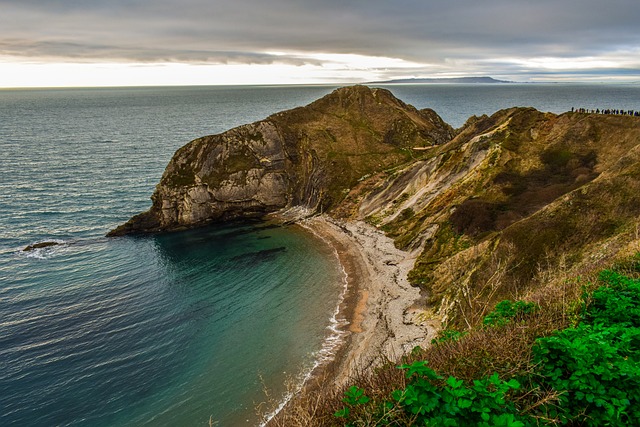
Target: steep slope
[(309, 156), (512, 197), (492, 211)]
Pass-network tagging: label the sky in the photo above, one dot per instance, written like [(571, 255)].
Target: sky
[(47, 43)]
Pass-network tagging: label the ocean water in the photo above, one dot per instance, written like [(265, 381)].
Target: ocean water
[(165, 330), (172, 329), (455, 103)]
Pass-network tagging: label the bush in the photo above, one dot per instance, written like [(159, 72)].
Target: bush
[(507, 310), (454, 403), (596, 370), (616, 304), (430, 400), (596, 366), (588, 375)]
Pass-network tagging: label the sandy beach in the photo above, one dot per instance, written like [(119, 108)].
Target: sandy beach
[(383, 313)]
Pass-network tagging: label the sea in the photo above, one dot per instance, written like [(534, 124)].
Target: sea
[(191, 328)]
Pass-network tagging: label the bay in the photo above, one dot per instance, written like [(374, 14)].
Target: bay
[(169, 329)]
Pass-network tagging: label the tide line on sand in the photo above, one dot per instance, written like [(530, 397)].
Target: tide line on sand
[(380, 315), (385, 314)]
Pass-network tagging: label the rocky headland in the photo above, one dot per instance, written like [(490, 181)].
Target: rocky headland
[(309, 156), (499, 200)]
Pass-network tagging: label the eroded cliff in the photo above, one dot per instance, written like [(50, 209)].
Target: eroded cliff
[(309, 156), (491, 208), (512, 199)]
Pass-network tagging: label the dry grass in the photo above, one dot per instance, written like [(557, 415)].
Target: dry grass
[(483, 351)]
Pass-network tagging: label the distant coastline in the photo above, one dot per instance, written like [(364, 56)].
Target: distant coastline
[(483, 80)]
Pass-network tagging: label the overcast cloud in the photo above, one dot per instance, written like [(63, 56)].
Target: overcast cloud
[(504, 38)]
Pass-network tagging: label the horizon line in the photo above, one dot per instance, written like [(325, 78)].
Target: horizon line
[(340, 84)]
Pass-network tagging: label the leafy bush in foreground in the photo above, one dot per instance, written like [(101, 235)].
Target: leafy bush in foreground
[(432, 402), (596, 365), (591, 372), (597, 372)]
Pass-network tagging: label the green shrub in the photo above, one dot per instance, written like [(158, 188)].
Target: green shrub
[(588, 375), (596, 366), (354, 396), (596, 371), (507, 310), (431, 402), (618, 303)]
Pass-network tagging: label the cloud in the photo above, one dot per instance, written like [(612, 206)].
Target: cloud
[(437, 37)]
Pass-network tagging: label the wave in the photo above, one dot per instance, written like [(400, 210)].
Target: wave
[(331, 344), (105, 141)]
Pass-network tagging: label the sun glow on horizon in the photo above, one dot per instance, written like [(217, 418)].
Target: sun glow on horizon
[(41, 74), (318, 68), (304, 68)]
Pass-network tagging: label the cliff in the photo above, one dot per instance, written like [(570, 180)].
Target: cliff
[(490, 208), (514, 221), (511, 200), (309, 156)]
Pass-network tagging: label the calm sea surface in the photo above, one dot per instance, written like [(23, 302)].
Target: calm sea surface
[(167, 330)]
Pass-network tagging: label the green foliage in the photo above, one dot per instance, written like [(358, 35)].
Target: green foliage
[(507, 310), (596, 366), (596, 370), (590, 374), (432, 402), (352, 397), (616, 304), (445, 335), (355, 396)]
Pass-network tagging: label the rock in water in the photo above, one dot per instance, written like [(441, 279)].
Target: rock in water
[(40, 245), (309, 156)]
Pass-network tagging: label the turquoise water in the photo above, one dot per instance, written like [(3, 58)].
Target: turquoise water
[(160, 330), (163, 330), (167, 330)]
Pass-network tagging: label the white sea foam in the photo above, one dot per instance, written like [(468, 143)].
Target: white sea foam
[(46, 252), (332, 342)]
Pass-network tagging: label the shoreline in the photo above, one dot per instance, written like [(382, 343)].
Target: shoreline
[(382, 315), (379, 317)]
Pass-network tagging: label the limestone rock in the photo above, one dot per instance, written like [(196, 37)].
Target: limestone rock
[(309, 156)]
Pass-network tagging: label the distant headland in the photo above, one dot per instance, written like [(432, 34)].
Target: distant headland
[(445, 80)]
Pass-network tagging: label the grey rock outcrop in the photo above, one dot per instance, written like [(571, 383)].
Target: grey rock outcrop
[(309, 156)]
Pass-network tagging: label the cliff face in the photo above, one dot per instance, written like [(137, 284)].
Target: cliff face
[(510, 201), (309, 156), (492, 211)]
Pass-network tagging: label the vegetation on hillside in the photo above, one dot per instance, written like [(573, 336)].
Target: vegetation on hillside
[(568, 356), (509, 200), (521, 222)]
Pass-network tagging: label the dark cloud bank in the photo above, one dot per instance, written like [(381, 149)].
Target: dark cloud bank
[(487, 33)]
